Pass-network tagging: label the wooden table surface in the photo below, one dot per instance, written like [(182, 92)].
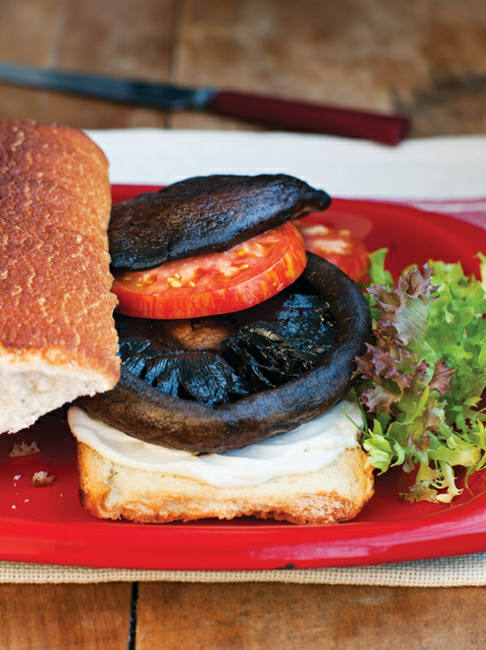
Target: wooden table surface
[(424, 58)]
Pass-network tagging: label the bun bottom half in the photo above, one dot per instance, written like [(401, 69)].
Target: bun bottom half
[(335, 493)]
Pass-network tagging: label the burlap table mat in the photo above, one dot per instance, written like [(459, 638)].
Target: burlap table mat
[(468, 570), (459, 571), (446, 169)]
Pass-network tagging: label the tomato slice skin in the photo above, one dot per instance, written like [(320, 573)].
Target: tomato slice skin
[(340, 247), (216, 283)]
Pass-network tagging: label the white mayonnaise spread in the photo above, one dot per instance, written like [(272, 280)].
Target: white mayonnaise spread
[(307, 448)]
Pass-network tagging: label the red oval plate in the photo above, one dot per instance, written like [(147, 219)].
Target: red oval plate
[(47, 525)]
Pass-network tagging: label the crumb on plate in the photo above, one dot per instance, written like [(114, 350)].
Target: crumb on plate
[(42, 479), (23, 449)]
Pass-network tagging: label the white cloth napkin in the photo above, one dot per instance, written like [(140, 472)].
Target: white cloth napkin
[(433, 168)]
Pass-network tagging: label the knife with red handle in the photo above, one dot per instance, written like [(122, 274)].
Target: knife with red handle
[(272, 111), (312, 118)]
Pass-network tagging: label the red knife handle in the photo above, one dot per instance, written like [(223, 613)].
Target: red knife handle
[(313, 118)]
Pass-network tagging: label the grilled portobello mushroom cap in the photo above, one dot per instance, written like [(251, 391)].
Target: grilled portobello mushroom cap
[(204, 214), (141, 410), (218, 359)]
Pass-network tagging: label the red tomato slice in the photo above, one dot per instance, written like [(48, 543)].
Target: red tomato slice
[(216, 283), (339, 247)]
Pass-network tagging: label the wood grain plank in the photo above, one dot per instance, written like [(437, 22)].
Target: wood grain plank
[(92, 617), (117, 38), (268, 616), (114, 37), (29, 30), (21, 41), (425, 58)]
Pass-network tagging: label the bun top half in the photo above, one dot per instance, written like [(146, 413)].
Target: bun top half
[(57, 335)]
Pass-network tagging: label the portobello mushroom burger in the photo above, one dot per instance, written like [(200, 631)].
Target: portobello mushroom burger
[(237, 352)]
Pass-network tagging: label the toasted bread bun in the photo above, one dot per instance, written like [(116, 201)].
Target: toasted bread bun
[(57, 336), (334, 493)]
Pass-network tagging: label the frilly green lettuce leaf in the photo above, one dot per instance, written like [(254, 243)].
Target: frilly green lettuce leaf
[(421, 379)]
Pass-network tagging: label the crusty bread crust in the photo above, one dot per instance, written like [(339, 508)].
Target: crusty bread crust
[(57, 336), (335, 493)]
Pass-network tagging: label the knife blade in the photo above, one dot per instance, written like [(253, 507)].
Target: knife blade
[(272, 111)]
